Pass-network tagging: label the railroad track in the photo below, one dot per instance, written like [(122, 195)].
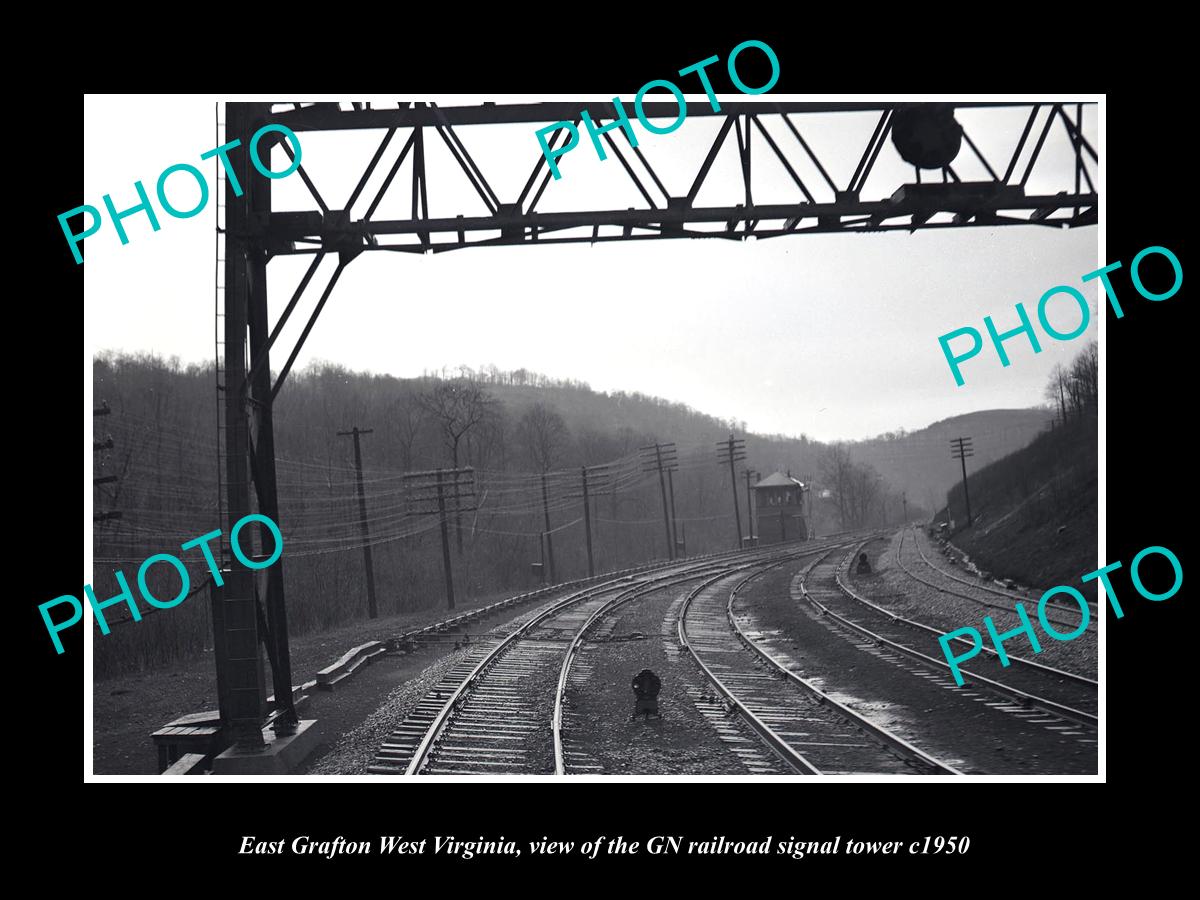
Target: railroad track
[(808, 729), (1021, 661), (1063, 695), (499, 709), (570, 756), (976, 585)]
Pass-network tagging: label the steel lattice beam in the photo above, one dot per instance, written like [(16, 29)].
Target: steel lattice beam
[(828, 207), (255, 234), (330, 117)]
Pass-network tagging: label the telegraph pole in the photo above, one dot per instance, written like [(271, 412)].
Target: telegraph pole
[(960, 449), (731, 451), (457, 526), (587, 523), (664, 455), (811, 530), (590, 477), (904, 500), (549, 539), (427, 496), (749, 511), (674, 531), (372, 611), (441, 499), (666, 515), (97, 446)]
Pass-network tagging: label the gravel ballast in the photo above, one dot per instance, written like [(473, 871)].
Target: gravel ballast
[(966, 729), (893, 589), (695, 734)]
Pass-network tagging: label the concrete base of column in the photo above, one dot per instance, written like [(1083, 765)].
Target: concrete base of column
[(281, 756)]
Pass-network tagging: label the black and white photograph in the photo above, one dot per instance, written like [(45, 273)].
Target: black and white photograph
[(707, 432)]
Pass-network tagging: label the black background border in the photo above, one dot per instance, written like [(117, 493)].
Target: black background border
[(1146, 661)]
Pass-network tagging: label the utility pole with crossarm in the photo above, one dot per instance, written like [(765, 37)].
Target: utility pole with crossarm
[(960, 449)]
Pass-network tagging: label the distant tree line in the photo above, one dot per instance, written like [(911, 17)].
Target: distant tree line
[(511, 428), (858, 492)]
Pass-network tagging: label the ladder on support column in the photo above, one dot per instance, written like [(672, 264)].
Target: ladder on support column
[(219, 344), (234, 609), (223, 555)]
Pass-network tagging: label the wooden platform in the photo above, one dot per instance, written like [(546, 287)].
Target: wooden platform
[(188, 764), (201, 733), (198, 733)]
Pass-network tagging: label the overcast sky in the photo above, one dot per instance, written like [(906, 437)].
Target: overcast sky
[(831, 335)]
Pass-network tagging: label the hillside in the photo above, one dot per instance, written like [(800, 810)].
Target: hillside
[(632, 415), (1034, 511), (165, 458), (920, 461)]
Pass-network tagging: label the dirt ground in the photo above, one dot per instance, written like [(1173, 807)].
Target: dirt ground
[(1038, 548), (600, 701), (128, 708)]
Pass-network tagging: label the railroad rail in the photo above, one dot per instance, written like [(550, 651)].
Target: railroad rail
[(489, 714), (432, 631), (1092, 613), (1019, 660), (810, 730), (986, 587), (939, 633), (601, 612), (891, 630)]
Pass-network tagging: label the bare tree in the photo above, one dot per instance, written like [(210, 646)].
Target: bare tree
[(856, 489), (457, 407), (1056, 390), (1075, 389), (837, 474), (485, 444), (407, 419), (1085, 379), (543, 435), (864, 494)]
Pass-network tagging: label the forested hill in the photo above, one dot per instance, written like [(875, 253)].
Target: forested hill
[(592, 413), (510, 427), (1035, 511), (323, 399), (921, 461)]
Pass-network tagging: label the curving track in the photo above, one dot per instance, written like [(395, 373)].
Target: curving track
[(942, 576), (810, 730), (502, 709), (1065, 695), (499, 710), (1019, 661)]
